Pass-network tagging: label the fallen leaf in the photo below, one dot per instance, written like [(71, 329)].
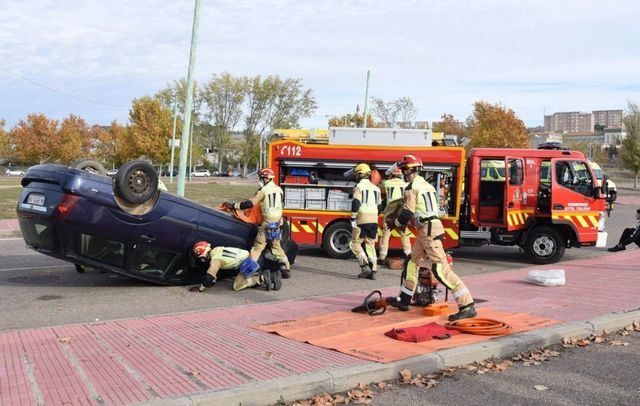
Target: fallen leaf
[(472, 368), (582, 342), (269, 354), (624, 333), (636, 325), (340, 399), (406, 375), (64, 340), (417, 382), (540, 387), (195, 373), (599, 339), (554, 354), (431, 383), (322, 400), (382, 385), (619, 343), (518, 357)]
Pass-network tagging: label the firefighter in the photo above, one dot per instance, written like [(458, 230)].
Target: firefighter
[(364, 221), (420, 204), (249, 272), (629, 235), (270, 197), (392, 190)]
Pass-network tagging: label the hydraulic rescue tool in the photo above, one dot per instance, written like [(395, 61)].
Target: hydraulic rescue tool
[(374, 304)]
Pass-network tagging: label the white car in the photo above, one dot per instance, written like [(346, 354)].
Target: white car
[(14, 172), (201, 173)]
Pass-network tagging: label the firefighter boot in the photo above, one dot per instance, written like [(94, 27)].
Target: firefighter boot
[(366, 272), (284, 272), (465, 312), (276, 278), (403, 303), (265, 279)]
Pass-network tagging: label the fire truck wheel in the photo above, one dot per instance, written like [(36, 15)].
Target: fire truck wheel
[(544, 246), (335, 240)]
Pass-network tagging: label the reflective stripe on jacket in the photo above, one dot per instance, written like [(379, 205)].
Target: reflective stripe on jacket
[(393, 189), (369, 196)]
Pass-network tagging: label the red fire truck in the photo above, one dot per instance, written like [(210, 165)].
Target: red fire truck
[(541, 200)]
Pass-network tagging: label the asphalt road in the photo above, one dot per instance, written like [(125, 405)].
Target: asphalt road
[(37, 291), (599, 374)]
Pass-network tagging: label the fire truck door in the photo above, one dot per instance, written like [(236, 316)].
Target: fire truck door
[(573, 197), (514, 215)]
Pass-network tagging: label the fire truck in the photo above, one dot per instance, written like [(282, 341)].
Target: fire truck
[(542, 200)]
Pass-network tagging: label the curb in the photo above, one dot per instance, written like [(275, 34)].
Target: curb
[(10, 233), (342, 379)]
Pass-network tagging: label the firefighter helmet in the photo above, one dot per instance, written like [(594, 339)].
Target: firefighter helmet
[(362, 170), (266, 173), (201, 249), (409, 162)]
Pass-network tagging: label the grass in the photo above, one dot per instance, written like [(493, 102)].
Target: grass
[(207, 193)]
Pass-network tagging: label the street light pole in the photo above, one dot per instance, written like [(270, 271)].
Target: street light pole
[(173, 136), (366, 100), (188, 102)]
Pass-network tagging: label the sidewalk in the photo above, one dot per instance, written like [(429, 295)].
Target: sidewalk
[(216, 357), (10, 228)]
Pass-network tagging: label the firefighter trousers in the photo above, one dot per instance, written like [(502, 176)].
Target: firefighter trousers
[(242, 282), (391, 211), (365, 233), (260, 243), (428, 248)]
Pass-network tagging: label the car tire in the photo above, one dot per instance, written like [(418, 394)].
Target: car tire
[(89, 165), (79, 268), (544, 245), (336, 239), (136, 182), (290, 249)]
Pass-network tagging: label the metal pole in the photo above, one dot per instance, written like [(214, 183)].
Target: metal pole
[(366, 100), (188, 102), (191, 151), (173, 137)]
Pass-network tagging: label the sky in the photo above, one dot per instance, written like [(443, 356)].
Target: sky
[(92, 58)]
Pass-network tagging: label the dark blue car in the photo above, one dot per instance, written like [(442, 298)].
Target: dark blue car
[(123, 225)]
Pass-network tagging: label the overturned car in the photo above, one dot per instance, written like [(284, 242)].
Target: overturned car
[(126, 224)]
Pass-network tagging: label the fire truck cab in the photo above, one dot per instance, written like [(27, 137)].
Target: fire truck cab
[(541, 200)]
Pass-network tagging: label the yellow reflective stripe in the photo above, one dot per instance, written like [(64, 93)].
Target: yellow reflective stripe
[(522, 217), (509, 220), (395, 233), (451, 233), (411, 234), (306, 228), (319, 227), (294, 228), (594, 220), (582, 221)]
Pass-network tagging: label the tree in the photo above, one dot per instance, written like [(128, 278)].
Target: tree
[(75, 134), (630, 148), (36, 139), (292, 102), (6, 149), (224, 95), (495, 126), (109, 143), (449, 125), (150, 130), (399, 112), (353, 120)]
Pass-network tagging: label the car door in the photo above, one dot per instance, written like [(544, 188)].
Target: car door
[(572, 197), (515, 216)]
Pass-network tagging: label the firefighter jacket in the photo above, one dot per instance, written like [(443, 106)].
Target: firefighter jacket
[(270, 199), (225, 258), (393, 189), (366, 199), (421, 200)]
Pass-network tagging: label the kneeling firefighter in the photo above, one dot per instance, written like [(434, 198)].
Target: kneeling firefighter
[(270, 197), (364, 220), (420, 204), (249, 272)]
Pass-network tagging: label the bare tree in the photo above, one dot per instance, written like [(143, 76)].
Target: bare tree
[(400, 112), (630, 148)]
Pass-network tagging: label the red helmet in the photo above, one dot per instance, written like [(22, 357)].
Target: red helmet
[(266, 173), (409, 162), (201, 249)]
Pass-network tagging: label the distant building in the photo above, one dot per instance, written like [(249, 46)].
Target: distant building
[(613, 135), (588, 137), (571, 121), (541, 137), (608, 118)]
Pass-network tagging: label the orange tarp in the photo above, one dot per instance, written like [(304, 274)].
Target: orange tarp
[(363, 336)]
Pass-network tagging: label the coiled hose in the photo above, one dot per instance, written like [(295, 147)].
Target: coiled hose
[(480, 326)]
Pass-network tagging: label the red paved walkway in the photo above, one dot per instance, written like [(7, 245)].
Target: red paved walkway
[(129, 361)]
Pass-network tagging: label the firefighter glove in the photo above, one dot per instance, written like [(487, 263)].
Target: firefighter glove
[(227, 205)]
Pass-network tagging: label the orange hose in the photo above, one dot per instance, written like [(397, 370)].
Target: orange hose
[(479, 326)]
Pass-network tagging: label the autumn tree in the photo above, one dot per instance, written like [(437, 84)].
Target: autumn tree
[(495, 126), (149, 132), (75, 135), (400, 112), (353, 120), (109, 143), (630, 147), (449, 125), (36, 139), (5, 142)]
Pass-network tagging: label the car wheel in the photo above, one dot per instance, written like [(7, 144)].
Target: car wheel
[(79, 268), (544, 245), (89, 165), (336, 239), (136, 182), (290, 249)]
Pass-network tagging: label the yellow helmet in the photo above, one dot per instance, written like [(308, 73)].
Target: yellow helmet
[(362, 170)]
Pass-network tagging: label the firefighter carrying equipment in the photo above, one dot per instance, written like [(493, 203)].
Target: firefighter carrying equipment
[(480, 326), (374, 304), (421, 333)]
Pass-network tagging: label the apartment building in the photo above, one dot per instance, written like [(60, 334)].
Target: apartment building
[(571, 121), (608, 118)]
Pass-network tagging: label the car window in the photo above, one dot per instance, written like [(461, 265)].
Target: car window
[(150, 260), (101, 249)]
